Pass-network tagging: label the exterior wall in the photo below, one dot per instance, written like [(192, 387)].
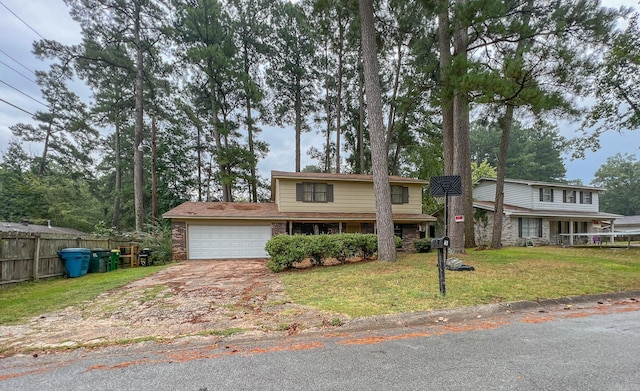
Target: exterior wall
[(410, 233), (349, 197), (558, 203), (525, 196), (510, 232), (179, 240), (278, 229)]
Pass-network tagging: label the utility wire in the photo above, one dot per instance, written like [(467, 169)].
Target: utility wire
[(23, 93), (18, 62), (20, 19), (18, 72), (19, 108)]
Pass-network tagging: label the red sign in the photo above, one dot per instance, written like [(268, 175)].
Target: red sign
[(459, 219)]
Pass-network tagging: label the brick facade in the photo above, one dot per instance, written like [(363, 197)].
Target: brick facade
[(179, 241), (410, 233)]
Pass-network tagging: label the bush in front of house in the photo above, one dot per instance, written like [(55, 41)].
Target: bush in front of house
[(422, 245), (285, 250)]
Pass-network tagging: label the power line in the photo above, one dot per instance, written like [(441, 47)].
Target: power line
[(20, 19), (18, 72), (18, 62), (23, 93), (19, 108)]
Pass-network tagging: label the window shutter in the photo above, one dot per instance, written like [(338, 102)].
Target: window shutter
[(539, 228), (590, 197), (564, 196), (405, 195), (519, 227), (541, 196), (299, 191), (581, 198), (329, 192), (551, 195)]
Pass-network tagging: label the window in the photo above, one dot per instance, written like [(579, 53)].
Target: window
[(399, 195), (546, 195), (314, 192), (529, 228), (569, 196), (586, 197)]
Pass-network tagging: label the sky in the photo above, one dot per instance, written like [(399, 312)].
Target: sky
[(23, 22)]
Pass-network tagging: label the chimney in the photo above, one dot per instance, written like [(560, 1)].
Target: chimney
[(49, 224)]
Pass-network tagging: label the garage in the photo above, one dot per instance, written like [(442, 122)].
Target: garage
[(227, 241)]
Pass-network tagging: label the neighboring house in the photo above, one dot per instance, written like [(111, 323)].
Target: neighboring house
[(301, 203), (628, 224), (26, 227), (540, 213)]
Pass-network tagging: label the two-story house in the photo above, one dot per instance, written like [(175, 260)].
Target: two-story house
[(540, 213), (301, 203)]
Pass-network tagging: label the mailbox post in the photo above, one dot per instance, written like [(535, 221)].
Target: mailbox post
[(441, 244)]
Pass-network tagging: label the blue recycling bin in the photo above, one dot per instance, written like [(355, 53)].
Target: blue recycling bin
[(76, 261)]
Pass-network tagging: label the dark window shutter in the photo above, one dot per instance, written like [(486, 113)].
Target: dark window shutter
[(329, 192), (551, 195), (590, 197), (405, 195), (539, 228), (299, 191), (520, 227), (541, 196), (581, 198), (564, 196)]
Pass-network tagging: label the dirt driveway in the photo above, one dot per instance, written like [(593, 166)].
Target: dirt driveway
[(191, 298)]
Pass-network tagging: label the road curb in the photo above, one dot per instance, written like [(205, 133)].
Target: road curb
[(482, 311)]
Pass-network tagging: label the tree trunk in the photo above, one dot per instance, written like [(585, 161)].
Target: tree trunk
[(327, 106), (446, 99), (118, 179), (154, 173), (394, 97), (339, 96), (496, 234), (139, 125), (361, 119), (384, 217), (298, 110), (506, 124), (253, 180)]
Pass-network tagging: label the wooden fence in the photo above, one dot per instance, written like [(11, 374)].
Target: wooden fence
[(29, 256)]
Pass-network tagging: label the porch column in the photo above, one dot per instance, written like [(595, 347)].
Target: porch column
[(570, 232), (613, 238), (290, 227)]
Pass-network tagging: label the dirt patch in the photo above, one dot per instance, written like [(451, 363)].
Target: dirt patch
[(186, 299)]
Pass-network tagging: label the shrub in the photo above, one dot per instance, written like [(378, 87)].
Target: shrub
[(285, 250), (422, 245)]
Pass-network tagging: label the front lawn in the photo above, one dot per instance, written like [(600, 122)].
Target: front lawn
[(510, 274)]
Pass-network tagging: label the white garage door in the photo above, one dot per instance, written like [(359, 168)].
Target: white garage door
[(228, 241)]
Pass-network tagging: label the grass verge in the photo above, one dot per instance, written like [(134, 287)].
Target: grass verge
[(20, 302), (510, 274)]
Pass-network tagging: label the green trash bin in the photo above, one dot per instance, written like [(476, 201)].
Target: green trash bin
[(100, 260), (114, 259)]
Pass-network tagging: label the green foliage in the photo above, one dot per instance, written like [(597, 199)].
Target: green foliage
[(422, 245), (158, 239), (482, 170), (534, 153), (286, 250), (620, 176)]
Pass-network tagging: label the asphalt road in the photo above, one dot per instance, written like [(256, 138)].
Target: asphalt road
[(564, 349)]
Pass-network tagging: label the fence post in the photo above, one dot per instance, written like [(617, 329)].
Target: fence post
[(36, 259)]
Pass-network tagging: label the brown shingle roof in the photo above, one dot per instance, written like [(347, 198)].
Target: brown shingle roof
[(269, 211)]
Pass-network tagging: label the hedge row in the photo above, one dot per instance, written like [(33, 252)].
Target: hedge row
[(285, 250)]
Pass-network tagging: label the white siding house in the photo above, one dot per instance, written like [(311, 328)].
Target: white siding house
[(540, 213)]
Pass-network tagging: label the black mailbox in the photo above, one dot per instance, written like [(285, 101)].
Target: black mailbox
[(440, 242)]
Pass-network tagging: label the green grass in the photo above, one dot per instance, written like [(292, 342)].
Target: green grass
[(510, 274), (20, 302)]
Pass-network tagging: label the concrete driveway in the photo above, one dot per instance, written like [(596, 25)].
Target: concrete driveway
[(190, 299)]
